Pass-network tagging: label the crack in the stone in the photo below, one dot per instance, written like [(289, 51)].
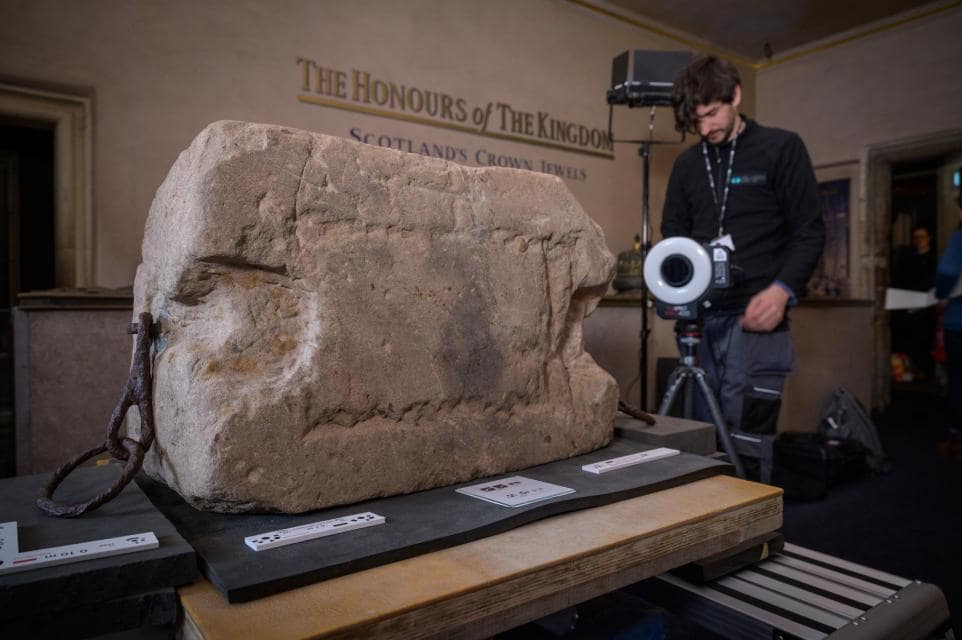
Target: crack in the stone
[(416, 412), (236, 262)]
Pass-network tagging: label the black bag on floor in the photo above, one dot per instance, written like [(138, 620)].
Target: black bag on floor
[(805, 465), (843, 418)]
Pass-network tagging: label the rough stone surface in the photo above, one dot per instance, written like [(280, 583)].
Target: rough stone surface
[(341, 321)]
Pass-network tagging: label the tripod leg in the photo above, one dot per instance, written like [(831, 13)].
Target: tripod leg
[(716, 416), (689, 411), (675, 382)]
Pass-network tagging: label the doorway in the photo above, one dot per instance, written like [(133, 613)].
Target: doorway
[(908, 184), (26, 245), (913, 256)]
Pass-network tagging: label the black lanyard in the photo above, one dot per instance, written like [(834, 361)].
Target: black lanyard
[(728, 180)]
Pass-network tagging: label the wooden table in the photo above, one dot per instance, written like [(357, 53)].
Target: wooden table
[(484, 587)]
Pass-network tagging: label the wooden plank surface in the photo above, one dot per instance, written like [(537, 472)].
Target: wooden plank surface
[(477, 589)]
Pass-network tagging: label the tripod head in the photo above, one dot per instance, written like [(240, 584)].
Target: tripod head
[(688, 334)]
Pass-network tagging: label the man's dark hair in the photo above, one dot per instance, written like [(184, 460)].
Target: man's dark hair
[(705, 80)]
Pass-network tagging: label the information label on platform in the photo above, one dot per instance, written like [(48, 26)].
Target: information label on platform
[(515, 491)]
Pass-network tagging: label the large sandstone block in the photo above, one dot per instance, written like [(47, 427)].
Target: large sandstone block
[(341, 321)]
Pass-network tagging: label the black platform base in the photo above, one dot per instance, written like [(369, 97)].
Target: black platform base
[(153, 609), (104, 592)]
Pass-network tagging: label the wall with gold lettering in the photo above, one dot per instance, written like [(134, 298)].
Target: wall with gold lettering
[(493, 82), (513, 84)]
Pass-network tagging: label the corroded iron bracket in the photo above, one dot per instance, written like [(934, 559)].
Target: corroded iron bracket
[(138, 391), (635, 412)]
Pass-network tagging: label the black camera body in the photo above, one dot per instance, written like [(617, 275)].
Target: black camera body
[(681, 275)]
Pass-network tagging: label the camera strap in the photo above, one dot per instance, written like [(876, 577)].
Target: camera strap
[(728, 180)]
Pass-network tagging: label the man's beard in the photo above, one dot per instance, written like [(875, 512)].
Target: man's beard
[(721, 136), (726, 133)]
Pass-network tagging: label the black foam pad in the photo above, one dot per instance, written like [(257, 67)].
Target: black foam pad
[(416, 523)]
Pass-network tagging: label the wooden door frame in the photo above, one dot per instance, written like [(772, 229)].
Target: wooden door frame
[(9, 172), (70, 116), (876, 191)]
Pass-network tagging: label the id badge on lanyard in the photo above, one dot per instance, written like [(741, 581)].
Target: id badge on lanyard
[(722, 238)]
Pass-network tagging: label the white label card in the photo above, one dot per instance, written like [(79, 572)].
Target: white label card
[(52, 556), (515, 491), (724, 241), (629, 460), (8, 544), (312, 531)]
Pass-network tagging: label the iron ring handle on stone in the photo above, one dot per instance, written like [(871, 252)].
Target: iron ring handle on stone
[(138, 391), (135, 457)]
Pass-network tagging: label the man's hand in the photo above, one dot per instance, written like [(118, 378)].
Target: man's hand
[(765, 310)]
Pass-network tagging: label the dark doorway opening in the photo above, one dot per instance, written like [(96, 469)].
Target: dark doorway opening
[(914, 243), (26, 245)]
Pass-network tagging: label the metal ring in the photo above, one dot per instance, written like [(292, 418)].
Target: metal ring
[(135, 457), (696, 286), (138, 391)]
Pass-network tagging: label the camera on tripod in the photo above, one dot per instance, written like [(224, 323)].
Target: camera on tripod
[(682, 274)]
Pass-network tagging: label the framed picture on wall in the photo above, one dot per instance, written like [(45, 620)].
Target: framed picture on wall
[(836, 195)]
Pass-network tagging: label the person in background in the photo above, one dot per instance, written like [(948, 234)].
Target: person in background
[(918, 267), (914, 330), (946, 278)]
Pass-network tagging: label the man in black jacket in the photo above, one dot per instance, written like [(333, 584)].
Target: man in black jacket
[(753, 189)]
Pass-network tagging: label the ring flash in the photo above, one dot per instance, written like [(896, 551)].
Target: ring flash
[(678, 271)]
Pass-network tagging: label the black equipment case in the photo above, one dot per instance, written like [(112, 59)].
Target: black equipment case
[(805, 465)]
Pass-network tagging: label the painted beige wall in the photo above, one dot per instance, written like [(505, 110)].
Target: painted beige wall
[(897, 84), (833, 348), (158, 72)]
